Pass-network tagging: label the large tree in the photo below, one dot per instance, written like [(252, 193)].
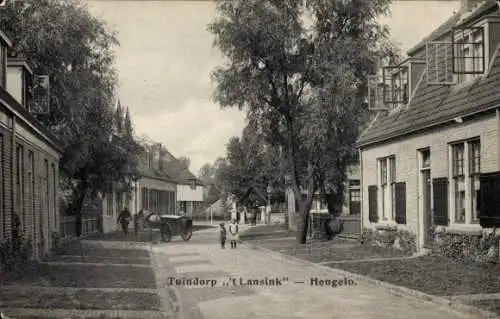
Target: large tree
[(63, 40), (299, 69)]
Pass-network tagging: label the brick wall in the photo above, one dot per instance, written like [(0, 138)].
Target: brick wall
[(39, 215), (406, 151)]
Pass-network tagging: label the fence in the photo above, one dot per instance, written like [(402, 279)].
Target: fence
[(90, 225), (351, 225)]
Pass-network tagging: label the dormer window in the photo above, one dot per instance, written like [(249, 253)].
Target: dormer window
[(459, 60), (395, 85), (376, 94), (193, 184), (468, 53)]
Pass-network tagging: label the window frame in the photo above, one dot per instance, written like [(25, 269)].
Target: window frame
[(465, 187), (468, 39), (387, 179)]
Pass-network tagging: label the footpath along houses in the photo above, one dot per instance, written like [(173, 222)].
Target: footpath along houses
[(29, 156), (430, 160)]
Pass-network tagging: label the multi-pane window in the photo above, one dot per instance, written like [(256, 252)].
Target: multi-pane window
[(474, 171), (426, 159), (46, 191), (387, 183), (466, 167), (459, 181), (109, 204), (468, 53), (144, 199), (54, 190), (19, 185), (31, 179), (354, 195)]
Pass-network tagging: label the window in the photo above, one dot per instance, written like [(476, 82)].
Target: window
[(426, 159), (144, 198), (459, 182), (395, 85), (19, 185), (354, 182), (354, 195), (47, 188), (474, 173), (468, 53), (387, 182), (31, 179), (466, 167), (119, 201), (54, 192), (109, 204), (193, 184), (392, 181)]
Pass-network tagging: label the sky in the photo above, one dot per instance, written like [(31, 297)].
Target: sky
[(166, 55)]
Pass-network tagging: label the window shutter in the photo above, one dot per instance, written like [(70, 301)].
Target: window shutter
[(372, 204), (440, 192), (489, 201), (400, 202)]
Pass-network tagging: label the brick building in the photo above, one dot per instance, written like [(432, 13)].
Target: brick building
[(437, 131), (29, 156)]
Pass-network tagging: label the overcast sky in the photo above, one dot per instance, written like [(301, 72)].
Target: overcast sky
[(166, 55)]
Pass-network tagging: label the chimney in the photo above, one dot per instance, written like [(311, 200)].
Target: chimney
[(467, 6), (19, 79)]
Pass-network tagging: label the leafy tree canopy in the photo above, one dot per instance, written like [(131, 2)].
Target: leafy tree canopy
[(63, 40), (299, 69)]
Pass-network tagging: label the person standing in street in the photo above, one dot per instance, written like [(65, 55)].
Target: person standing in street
[(124, 218), (222, 236), (233, 233)]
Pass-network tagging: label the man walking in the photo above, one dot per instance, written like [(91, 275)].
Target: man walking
[(124, 219)]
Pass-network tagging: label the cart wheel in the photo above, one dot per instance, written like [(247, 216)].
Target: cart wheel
[(166, 233), (187, 233)]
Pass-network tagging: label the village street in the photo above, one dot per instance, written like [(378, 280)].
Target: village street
[(289, 293)]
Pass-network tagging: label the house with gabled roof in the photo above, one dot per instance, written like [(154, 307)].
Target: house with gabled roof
[(29, 156), (189, 187), (430, 154)]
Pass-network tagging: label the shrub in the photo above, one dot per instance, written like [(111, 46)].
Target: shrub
[(468, 247), (367, 236), (13, 252), (407, 241)]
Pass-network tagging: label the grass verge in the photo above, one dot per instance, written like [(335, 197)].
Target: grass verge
[(81, 300), (83, 276)]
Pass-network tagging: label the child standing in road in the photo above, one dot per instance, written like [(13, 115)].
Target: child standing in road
[(223, 233), (233, 231)]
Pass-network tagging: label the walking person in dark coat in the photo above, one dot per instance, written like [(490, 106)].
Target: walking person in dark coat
[(124, 218), (223, 233)]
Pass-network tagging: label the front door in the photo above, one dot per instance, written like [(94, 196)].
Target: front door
[(426, 201)]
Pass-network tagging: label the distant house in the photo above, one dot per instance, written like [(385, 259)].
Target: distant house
[(436, 138), (189, 187), (155, 190), (30, 154), (220, 209)]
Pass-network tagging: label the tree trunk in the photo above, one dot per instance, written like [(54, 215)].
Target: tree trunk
[(78, 205), (303, 222)]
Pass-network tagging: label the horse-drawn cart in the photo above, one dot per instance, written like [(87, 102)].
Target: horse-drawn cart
[(175, 225), (170, 225)]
